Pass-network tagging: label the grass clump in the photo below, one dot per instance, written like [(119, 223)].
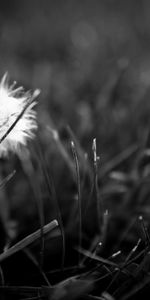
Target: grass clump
[(97, 246)]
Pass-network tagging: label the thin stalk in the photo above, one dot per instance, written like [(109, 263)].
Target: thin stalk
[(75, 157), (95, 187), (51, 190), (145, 231), (7, 178), (28, 168)]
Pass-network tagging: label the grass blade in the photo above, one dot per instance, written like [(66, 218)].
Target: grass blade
[(31, 238), (74, 152)]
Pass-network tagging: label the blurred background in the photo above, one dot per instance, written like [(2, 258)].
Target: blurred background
[(91, 60)]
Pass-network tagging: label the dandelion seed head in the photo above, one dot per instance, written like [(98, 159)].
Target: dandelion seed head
[(12, 102)]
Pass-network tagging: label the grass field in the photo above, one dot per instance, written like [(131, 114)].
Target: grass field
[(74, 201)]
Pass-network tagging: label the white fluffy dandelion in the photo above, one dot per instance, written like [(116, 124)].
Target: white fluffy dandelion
[(17, 117)]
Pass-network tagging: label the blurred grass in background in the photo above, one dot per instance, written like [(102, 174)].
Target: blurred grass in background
[(91, 61)]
